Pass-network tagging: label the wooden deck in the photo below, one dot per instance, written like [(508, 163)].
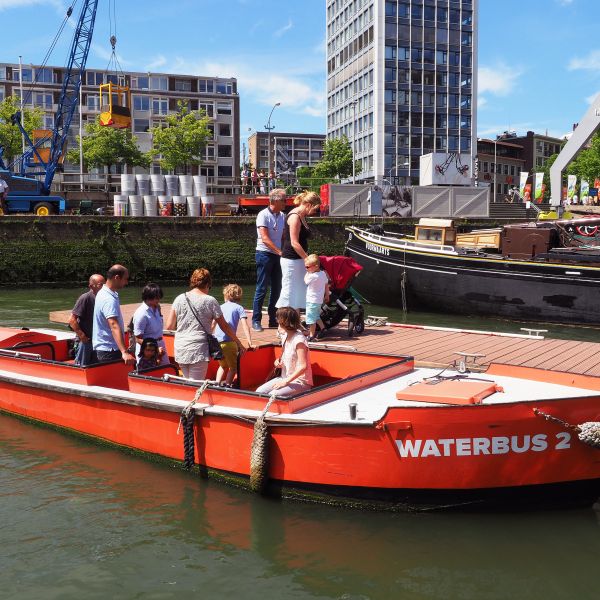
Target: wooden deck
[(438, 346)]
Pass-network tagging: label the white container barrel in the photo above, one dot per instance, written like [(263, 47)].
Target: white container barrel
[(143, 184), (200, 185), (150, 206), (157, 184), (179, 206), (127, 184), (121, 205), (172, 183), (165, 206), (194, 205), (186, 185), (136, 206)]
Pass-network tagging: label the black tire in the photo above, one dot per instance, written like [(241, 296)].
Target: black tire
[(359, 325), (43, 209)]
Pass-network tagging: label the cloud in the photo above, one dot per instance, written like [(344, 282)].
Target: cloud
[(157, 63), (282, 30), (500, 80), (590, 63), (10, 4)]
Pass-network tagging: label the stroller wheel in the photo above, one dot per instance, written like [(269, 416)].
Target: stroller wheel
[(359, 325)]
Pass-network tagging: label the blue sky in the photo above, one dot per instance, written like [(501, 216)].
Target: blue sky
[(539, 63)]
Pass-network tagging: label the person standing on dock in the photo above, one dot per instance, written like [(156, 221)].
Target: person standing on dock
[(3, 197), (82, 319), (109, 332), (269, 229)]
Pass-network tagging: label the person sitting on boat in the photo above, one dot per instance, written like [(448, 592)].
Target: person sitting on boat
[(191, 318), (148, 321), (82, 320), (148, 356), (296, 372), (108, 336), (234, 313)]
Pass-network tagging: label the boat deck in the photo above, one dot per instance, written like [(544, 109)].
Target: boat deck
[(435, 346)]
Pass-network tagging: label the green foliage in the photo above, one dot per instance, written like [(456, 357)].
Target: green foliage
[(307, 179), (107, 146), (10, 136), (181, 141), (587, 163), (337, 160)]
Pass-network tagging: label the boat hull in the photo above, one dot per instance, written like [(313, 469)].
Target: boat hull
[(500, 455), (470, 285)]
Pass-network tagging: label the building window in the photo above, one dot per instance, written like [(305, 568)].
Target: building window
[(44, 75), (223, 108), (183, 85), (225, 171), (158, 82), (141, 103), (27, 75), (93, 102), (94, 78), (160, 106), (43, 100), (209, 109), (225, 129), (206, 85), (223, 88), (224, 151), (141, 125), (140, 82)]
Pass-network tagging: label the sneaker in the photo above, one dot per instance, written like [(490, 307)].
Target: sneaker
[(257, 327), (273, 324)]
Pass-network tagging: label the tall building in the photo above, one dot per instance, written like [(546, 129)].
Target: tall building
[(288, 151), (153, 97), (401, 81)]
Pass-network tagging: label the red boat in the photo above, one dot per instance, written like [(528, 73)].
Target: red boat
[(373, 431)]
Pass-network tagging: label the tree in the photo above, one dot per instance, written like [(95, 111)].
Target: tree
[(181, 141), (107, 146), (587, 163), (10, 135), (337, 160), (307, 179)]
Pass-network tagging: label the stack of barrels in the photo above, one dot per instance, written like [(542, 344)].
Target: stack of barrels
[(161, 195)]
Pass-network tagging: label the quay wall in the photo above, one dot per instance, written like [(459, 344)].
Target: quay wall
[(66, 250)]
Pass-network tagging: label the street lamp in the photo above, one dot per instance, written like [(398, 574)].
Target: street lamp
[(495, 166), (269, 128), (354, 103)]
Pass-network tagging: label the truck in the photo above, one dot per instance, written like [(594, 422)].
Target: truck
[(29, 190)]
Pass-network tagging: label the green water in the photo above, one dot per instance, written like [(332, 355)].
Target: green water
[(80, 520)]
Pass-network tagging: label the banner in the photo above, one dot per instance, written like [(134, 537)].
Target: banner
[(522, 182), (571, 183), (539, 179), (584, 192)]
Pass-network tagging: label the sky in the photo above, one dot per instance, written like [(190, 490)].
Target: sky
[(539, 66)]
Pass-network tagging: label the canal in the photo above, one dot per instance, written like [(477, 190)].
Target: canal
[(83, 520)]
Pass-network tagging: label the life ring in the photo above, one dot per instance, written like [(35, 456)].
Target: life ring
[(587, 230)]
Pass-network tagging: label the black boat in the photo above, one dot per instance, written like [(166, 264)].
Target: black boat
[(544, 271)]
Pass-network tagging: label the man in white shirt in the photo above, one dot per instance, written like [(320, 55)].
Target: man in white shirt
[(269, 228), (3, 196)]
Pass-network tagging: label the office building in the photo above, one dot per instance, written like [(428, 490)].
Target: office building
[(288, 151), (401, 81), (537, 148), (500, 163), (153, 97)]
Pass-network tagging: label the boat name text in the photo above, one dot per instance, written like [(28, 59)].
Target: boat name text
[(376, 248), (480, 446)]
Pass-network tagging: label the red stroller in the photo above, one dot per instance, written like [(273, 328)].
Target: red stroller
[(342, 271)]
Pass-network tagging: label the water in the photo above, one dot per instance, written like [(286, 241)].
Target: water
[(84, 520)]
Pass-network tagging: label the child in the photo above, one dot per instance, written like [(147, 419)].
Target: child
[(233, 313), (317, 290), (148, 355)]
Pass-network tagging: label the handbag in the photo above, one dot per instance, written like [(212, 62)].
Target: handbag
[(214, 346)]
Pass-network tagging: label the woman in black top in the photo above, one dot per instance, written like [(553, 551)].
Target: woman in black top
[(294, 250)]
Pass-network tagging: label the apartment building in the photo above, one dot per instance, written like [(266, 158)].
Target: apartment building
[(402, 81), (288, 151), (153, 97), (537, 148), (500, 163)]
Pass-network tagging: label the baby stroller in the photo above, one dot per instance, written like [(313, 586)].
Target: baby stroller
[(341, 271)]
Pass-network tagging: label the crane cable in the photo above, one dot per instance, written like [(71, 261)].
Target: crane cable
[(113, 60)]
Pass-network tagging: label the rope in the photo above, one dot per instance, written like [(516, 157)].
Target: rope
[(259, 451), (186, 420), (403, 292), (588, 432)]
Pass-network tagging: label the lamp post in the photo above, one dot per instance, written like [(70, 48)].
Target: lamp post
[(354, 103), (269, 128), (495, 167)]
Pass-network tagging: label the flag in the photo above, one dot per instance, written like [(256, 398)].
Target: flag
[(539, 179), (522, 182), (571, 183), (584, 191)]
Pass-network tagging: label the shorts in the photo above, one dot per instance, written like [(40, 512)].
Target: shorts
[(230, 352), (313, 313)]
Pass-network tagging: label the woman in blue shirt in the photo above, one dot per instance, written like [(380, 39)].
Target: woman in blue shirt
[(148, 321)]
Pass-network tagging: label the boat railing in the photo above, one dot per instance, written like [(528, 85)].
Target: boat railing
[(20, 353), (404, 242)]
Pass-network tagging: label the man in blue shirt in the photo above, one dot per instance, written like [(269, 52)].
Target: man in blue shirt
[(269, 228), (108, 336)]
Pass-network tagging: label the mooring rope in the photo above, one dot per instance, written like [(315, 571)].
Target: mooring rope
[(259, 451), (186, 420), (588, 432)]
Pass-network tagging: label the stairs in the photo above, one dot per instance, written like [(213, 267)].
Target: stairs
[(506, 210)]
